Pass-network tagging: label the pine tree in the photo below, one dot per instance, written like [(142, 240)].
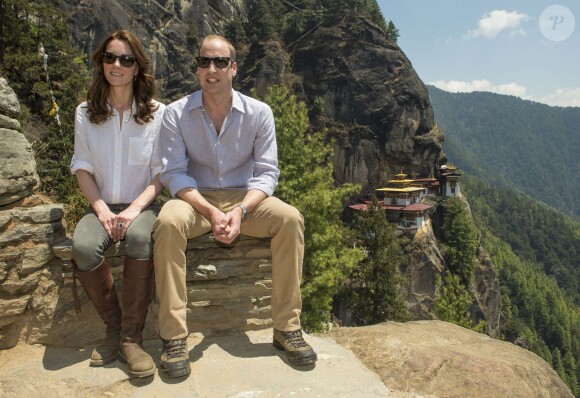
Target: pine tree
[(373, 291), (392, 32), (460, 238), (453, 300), (306, 182)]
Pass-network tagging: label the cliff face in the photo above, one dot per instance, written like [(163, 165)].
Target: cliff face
[(374, 102), (167, 28)]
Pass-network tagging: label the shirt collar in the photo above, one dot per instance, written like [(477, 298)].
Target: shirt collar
[(196, 101), (133, 107)]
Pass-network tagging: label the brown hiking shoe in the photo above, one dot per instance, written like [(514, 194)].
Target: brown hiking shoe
[(175, 358), (298, 351), (140, 363)]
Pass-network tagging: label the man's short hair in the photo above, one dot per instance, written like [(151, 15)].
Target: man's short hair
[(219, 37)]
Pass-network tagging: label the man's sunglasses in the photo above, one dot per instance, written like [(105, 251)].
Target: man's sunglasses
[(219, 62), (125, 60)]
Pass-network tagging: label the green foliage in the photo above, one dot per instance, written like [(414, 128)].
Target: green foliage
[(35, 25), (371, 9), (392, 32), (302, 15), (535, 232), (265, 16), (373, 289), (306, 183), (453, 300), (536, 312), (460, 239), (236, 33)]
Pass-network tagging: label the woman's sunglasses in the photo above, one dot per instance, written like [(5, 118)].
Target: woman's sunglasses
[(219, 62), (125, 60)]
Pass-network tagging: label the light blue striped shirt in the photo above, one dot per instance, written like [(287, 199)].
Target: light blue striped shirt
[(243, 156)]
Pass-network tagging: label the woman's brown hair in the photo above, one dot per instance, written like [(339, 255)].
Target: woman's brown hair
[(144, 88)]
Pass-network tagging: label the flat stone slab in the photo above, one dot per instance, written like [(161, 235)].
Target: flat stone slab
[(243, 365)]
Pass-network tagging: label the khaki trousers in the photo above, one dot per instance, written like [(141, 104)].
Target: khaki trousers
[(272, 218)]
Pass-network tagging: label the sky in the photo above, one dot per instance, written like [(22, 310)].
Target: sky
[(526, 48)]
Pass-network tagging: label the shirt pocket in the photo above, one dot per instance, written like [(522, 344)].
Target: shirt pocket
[(140, 150)]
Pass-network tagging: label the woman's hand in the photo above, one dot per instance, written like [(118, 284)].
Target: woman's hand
[(107, 219), (123, 221)]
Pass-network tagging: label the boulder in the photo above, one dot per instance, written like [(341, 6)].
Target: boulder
[(9, 105), (439, 359), (18, 175)]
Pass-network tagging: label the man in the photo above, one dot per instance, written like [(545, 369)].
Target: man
[(220, 161)]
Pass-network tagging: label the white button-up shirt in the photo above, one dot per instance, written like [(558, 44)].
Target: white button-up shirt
[(122, 158)]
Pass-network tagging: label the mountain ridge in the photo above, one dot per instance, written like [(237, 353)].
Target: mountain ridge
[(524, 145)]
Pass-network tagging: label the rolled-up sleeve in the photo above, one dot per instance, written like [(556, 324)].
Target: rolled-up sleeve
[(156, 165), (174, 157), (266, 171), (81, 159)]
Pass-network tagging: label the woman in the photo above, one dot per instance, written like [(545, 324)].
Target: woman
[(117, 168)]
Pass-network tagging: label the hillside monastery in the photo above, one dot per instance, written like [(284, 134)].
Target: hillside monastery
[(405, 199)]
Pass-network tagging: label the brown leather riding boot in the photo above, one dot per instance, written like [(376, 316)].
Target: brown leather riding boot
[(99, 286), (137, 293)]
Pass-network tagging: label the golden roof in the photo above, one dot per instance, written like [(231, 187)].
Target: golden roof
[(401, 190)]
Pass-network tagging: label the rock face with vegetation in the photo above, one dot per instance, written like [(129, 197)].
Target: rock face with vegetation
[(373, 101), (366, 91), (169, 29)]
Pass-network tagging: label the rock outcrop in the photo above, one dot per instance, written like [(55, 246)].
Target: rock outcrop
[(439, 359), (29, 226), (427, 359), (375, 103), (426, 261), (17, 165)]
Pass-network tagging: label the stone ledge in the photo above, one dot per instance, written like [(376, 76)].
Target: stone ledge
[(228, 286)]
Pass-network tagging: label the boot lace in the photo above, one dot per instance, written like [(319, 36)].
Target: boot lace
[(175, 348), (294, 339)]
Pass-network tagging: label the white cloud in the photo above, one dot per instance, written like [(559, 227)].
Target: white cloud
[(569, 96), (494, 22), (457, 86)]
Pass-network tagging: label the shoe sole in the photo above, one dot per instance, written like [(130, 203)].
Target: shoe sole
[(175, 373), (142, 374), (301, 361), (102, 362)]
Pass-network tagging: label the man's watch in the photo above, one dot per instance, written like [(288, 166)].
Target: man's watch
[(244, 211)]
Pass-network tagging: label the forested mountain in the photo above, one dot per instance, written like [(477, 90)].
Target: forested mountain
[(536, 251), (511, 142), (535, 232)]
